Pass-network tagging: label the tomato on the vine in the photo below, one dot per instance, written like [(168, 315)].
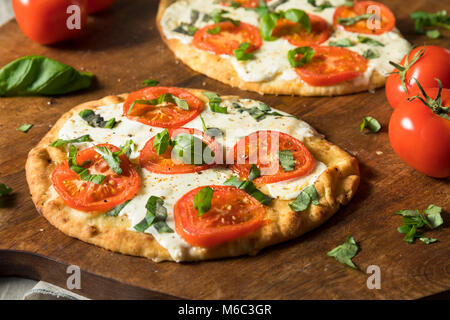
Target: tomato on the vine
[(424, 63), (419, 131)]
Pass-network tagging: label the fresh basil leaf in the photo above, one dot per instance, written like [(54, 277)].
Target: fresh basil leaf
[(139, 101), (214, 30), (427, 240), (370, 123), (304, 199), (312, 193), (307, 52), (111, 159), (161, 142), (165, 97), (86, 176), (202, 200), (191, 150), (162, 227), (212, 132), (371, 54), (254, 173), (268, 23), (250, 188), (241, 53), (299, 16), (150, 82), (367, 40), (262, 9), (62, 143), (260, 112), (214, 102), (156, 215), (114, 212), (126, 149), (287, 160), (433, 34), (433, 215), (345, 252), (4, 190), (110, 123), (343, 43), (352, 20), (37, 75), (25, 128), (96, 120), (424, 20)]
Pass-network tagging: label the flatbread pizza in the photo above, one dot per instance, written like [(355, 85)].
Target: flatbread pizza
[(295, 47), (184, 174)]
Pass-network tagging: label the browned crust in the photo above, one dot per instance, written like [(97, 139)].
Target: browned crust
[(336, 186), (222, 70)]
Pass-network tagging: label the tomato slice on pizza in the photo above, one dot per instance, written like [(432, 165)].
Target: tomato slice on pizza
[(228, 37), (277, 155), (99, 188), (368, 17), (163, 107), (232, 214), (168, 163), (298, 36), (332, 65)]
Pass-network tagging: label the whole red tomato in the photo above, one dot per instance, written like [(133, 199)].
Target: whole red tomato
[(420, 134), (99, 5), (48, 21), (425, 63)]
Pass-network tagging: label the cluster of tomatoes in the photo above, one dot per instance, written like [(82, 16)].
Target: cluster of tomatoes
[(46, 21), (419, 92)]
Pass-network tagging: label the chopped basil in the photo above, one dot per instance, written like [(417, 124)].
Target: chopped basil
[(202, 200), (352, 20), (212, 132), (305, 198), (127, 149), (287, 160), (191, 150), (165, 97), (150, 83), (424, 20), (139, 101), (241, 53), (111, 159), (370, 123), (214, 102), (84, 173), (254, 173), (114, 212), (343, 43), (250, 188), (269, 21), (37, 75), (62, 143), (371, 54), (413, 220), (214, 30), (307, 52), (25, 128), (96, 120), (217, 16), (4, 190), (345, 252), (321, 7), (299, 16), (186, 28), (161, 142), (373, 42), (156, 216), (260, 112)]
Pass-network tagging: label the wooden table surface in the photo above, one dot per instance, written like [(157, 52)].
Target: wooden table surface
[(122, 47)]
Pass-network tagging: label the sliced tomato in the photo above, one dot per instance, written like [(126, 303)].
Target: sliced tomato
[(243, 3), (298, 36), (168, 164), (261, 148), (385, 22), (233, 214), (88, 196), (228, 39), (331, 65), (166, 115)]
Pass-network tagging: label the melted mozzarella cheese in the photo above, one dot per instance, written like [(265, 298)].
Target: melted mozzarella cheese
[(235, 125), (270, 62)]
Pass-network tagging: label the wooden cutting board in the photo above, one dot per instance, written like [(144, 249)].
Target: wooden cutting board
[(122, 47)]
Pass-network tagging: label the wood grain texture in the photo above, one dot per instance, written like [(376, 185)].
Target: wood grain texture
[(122, 51)]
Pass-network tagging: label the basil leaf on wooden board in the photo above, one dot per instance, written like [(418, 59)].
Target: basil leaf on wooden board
[(156, 215), (433, 34), (202, 200), (307, 52), (150, 82), (111, 159), (371, 54), (241, 53), (191, 150), (434, 217), (371, 124), (4, 190), (345, 252), (304, 199), (62, 143), (114, 212), (254, 173), (214, 102), (423, 20), (343, 43), (25, 127), (37, 75), (161, 142), (287, 160), (96, 120), (250, 188), (367, 40)]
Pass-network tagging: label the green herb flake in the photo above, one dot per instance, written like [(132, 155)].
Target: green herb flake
[(156, 216), (250, 188), (304, 199), (371, 124), (424, 20), (111, 159), (307, 55), (343, 43), (368, 40), (150, 83), (161, 142), (241, 53), (345, 252), (116, 210), (191, 150), (371, 54), (25, 128), (254, 173), (352, 20), (433, 34), (62, 143), (214, 102), (202, 200), (4, 190), (287, 160), (96, 120), (319, 8)]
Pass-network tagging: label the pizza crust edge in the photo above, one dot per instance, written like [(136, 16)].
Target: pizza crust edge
[(218, 68), (335, 186)]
